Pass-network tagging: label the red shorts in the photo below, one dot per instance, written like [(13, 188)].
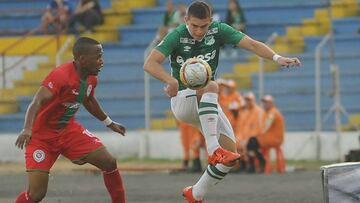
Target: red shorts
[(74, 142)]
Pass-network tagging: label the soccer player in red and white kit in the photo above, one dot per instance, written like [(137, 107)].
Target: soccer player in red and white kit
[(50, 128)]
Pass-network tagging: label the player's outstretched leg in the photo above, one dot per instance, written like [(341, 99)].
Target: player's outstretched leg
[(38, 182), (209, 116), (112, 178), (214, 173)]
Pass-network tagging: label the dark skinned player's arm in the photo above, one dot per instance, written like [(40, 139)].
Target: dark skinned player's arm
[(92, 106), (42, 96)]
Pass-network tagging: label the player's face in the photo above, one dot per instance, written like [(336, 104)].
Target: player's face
[(198, 27), (93, 61)]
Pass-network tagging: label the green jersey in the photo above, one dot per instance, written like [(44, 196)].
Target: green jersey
[(180, 46)]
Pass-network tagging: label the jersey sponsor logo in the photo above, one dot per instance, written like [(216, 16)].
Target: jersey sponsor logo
[(213, 31), (187, 48), (39, 155), (69, 105), (74, 92), (88, 91), (50, 85), (209, 40), (206, 57), (184, 40)]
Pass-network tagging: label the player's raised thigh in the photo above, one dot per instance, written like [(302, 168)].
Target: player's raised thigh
[(185, 107)]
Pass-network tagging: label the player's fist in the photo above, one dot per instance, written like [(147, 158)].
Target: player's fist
[(23, 139), (171, 87), (117, 127), (289, 62)]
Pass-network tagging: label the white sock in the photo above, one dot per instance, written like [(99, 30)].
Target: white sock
[(210, 177), (208, 114)]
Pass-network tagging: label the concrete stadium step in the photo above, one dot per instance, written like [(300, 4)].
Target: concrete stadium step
[(15, 122), (8, 106), (304, 119), (346, 25), (253, 3), (283, 101), (343, 43), (130, 87), (39, 4), (117, 104), (30, 44), (131, 4), (299, 83)]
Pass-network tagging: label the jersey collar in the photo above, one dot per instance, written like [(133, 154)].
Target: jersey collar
[(187, 27)]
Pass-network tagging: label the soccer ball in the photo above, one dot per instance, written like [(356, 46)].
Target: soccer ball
[(195, 73)]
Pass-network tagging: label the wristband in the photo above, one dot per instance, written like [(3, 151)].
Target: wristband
[(276, 57), (107, 121)]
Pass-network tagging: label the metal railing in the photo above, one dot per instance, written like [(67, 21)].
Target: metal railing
[(269, 41)]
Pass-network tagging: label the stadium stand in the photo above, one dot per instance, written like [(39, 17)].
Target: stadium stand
[(300, 24)]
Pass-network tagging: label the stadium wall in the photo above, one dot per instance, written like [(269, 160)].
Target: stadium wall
[(166, 145)]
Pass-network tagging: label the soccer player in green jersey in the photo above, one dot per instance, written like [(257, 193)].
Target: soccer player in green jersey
[(200, 37)]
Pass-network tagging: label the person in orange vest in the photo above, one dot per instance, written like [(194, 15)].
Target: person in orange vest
[(251, 126), (230, 101), (191, 140), (186, 133), (273, 132), (197, 143)]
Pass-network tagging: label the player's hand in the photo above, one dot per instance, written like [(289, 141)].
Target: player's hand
[(289, 62), (117, 127), (171, 88), (23, 139)]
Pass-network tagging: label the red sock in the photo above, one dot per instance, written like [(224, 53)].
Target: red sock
[(114, 185), (23, 198)]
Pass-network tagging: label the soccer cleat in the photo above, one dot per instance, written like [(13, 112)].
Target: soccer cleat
[(223, 156), (187, 193)]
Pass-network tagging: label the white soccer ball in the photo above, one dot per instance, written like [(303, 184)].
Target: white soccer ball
[(195, 73)]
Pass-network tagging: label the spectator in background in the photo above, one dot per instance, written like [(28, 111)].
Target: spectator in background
[(56, 17), (230, 100), (192, 142), (179, 16), (273, 132), (168, 18), (235, 16), (198, 143), (186, 132), (87, 13), (251, 126)]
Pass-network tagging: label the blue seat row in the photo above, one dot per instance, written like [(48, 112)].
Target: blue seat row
[(16, 5)]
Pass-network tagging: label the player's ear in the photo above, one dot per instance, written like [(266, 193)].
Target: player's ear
[(186, 18)]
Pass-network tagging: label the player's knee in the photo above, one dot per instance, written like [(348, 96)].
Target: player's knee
[(110, 165), (37, 195)]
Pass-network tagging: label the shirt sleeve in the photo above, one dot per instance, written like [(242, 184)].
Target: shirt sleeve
[(229, 35), (54, 82), (169, 43)]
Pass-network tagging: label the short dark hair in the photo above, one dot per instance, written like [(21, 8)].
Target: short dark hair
[(199, 9), (82, 44)]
